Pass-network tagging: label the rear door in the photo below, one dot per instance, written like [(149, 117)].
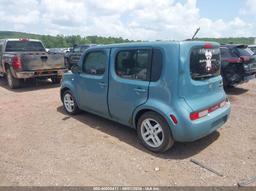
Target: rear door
[(201, 84), (129, 81), (92, 83)]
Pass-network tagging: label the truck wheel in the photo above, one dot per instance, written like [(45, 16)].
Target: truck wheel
[(154, 132), (56, 80), (12, 82), (69, 103)]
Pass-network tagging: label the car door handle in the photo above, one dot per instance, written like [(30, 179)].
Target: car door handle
[(140, 90), (103, 85)]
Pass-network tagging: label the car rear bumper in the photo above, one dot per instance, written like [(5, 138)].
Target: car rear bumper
[(34, 74), (190, 131)]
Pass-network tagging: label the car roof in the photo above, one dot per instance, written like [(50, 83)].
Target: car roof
[(148, 44)]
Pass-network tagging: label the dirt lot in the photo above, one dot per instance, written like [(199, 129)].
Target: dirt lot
[(40, 145)]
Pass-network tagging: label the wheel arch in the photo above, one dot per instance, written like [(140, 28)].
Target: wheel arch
[(65, 87), (150, 108), (62, 91)]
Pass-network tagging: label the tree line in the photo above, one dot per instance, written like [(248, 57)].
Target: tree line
[(61, 41)]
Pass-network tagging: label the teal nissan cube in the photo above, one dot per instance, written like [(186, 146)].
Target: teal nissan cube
[(167, 91)]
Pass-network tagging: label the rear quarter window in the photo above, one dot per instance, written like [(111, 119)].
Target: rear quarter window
[(157, 65), (204, 63)]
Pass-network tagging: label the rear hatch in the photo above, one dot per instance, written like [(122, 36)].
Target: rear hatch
[(200, 81)]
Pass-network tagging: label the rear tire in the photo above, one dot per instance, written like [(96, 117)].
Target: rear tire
[(13, 82), (69, 103), (56, 80), (154, 132)]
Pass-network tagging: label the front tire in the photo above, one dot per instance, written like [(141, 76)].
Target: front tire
[(69, 103), (13, 83), (154, 132)]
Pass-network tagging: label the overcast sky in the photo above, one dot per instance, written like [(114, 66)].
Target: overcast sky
[(132, 19)]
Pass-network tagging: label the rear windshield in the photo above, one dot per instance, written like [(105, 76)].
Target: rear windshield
[(245, 52), (204, 63), (253, 49), (19, 46)]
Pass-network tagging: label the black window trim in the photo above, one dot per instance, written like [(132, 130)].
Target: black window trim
[(162, 64), (94, 51), (148, 76)]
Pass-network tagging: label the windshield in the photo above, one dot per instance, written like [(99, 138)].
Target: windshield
[(204, 63), (19, 46), (245, 52)]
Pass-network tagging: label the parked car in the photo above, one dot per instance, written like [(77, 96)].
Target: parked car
[(168, 91), (238, 64), (62, 51), (22, 59), (253, 48), (73, 56)]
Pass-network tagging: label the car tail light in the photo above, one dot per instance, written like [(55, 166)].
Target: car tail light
[(24, 39), (233, 60), (174, 119), (197, 115), (245, 58), (16, 63)]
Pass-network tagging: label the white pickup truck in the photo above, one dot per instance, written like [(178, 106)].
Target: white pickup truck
[(21, 59)]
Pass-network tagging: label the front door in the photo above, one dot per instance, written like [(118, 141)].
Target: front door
[(129, 82), (92, 83)]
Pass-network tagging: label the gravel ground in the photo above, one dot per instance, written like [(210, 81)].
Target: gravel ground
[(42, 146)]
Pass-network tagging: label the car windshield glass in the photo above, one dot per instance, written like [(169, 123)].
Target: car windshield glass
[(245, 52), (19, 46), (204, 63), (253, 49)]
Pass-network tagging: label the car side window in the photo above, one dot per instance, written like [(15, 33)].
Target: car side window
[(134, 64), (95, 63), (157, 65), (1, 48)]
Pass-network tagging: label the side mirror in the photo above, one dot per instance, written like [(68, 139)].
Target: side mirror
[(75, 69)]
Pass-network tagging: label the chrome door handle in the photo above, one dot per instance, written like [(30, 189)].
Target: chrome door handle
[(140, 90), (102, 84)]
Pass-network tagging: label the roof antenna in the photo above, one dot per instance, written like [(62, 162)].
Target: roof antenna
[(197, 30)]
